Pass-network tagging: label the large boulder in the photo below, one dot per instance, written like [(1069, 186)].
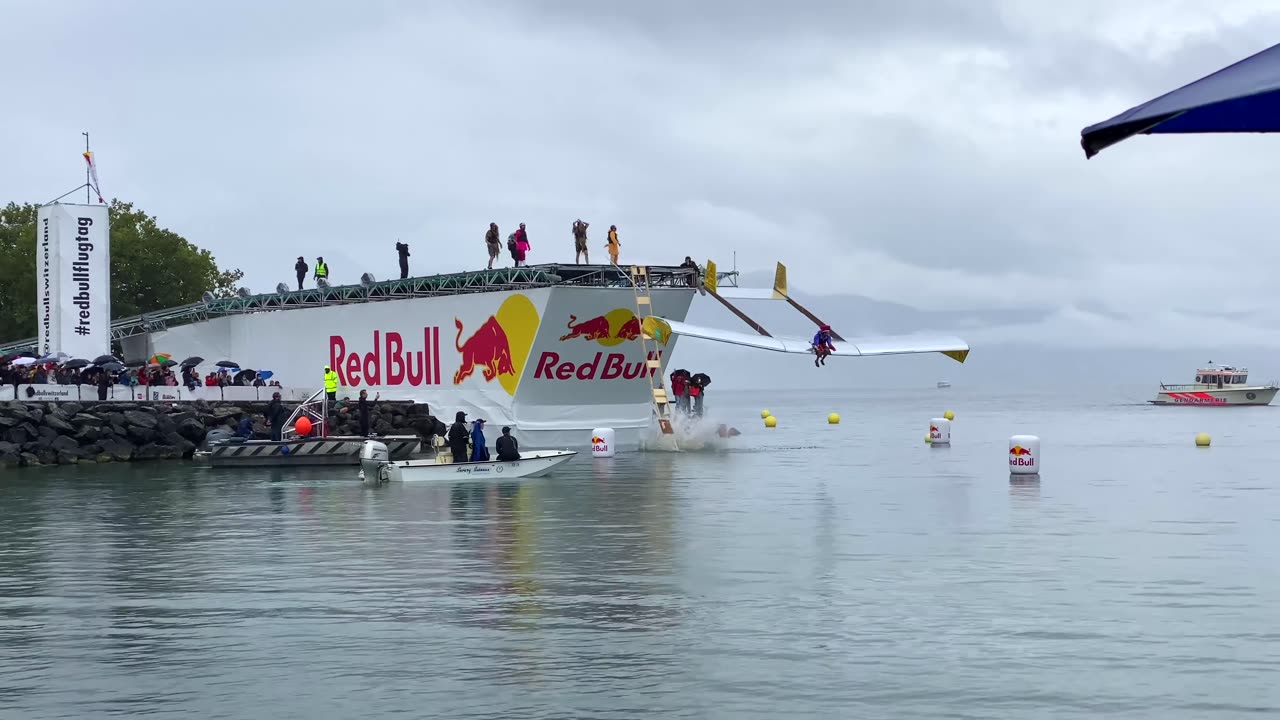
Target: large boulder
[(88, 434), (154, 451), (64, 443), (70, 408), (7, 422), (223, 413), (46, 434), (46, 455), (192, 430), (87, 419), (29, 460), (117, 450), (36, 415), (165, 424), (185, 447), (67, 458), (135, 418), (10, 460), (141, 435), (18, 435), (60, 424)]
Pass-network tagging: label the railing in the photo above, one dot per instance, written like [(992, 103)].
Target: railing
[(428, 286)]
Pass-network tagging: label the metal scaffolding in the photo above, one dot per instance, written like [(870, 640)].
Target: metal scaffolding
[(497, 280)]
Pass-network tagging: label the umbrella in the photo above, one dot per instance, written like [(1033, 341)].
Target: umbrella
[(54, 357), (26, 353), (681, 372), (265, 374), (24, 361), (192, 361), (702, 379), (113, 366), (104, 359), (159, 358), (75, 364), (1241, 98), (246, 374), (227, 364)]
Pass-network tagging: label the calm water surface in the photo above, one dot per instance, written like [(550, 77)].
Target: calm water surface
[(816, 571)]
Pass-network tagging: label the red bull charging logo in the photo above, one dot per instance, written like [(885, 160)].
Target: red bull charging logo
[(499, 347), (1019, 456)]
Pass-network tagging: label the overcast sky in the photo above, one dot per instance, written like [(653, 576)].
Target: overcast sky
[(925, 153)]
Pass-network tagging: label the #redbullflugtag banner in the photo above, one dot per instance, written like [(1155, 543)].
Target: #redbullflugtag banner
[(73, 280)]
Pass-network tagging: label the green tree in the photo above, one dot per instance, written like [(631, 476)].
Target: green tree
[(152, 268)]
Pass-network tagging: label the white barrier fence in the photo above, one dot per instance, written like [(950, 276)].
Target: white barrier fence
[(142, 393)]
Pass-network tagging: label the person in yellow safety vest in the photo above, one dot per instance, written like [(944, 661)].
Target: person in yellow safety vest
[(330, 385), (322, 269)]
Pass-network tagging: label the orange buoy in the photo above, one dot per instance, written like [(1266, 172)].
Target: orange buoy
[(303, 426)]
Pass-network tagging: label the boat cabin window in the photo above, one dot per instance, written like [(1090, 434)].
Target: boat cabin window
[(1200, 378)]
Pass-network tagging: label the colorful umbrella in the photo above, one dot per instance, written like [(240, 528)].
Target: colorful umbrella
[(159, 359)]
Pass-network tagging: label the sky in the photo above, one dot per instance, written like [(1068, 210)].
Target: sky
[(918, 154)]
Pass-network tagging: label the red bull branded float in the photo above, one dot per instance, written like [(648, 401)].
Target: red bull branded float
[(554, 351)]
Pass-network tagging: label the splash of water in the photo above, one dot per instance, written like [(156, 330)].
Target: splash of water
[(690, 434)]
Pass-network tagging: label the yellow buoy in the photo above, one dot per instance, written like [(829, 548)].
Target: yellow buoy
[(928, 439), (765, 413), (833, 418), (771, 421), (949, 415), (1202, 440)]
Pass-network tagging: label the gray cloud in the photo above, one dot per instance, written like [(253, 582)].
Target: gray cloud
[(919, 154)]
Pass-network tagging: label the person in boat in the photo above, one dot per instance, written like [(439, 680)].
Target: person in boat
[(246, 427), (508, 446), (822, 345), (276, 417), (458, 437), (479, 453)]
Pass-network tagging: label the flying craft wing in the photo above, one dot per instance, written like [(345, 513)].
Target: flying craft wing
[(661, 329)]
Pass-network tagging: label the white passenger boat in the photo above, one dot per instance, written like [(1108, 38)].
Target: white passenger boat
[(377, 468), (1217, 385)]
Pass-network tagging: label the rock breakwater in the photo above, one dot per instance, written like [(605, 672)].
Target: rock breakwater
[(65, 433)]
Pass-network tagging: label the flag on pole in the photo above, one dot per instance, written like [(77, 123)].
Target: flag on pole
[(93, 172)]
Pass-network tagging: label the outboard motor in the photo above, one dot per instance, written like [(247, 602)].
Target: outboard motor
[(374, 456)]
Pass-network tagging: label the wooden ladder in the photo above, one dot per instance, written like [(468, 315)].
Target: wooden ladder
[(653, 363)]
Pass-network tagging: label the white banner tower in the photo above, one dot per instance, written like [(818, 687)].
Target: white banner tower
[(73, 274)]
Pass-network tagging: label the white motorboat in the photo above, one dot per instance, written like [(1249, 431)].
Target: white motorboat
[(943, 384), (377, 467), (1219, 385)]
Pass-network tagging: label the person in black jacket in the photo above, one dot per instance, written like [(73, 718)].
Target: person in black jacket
[(458, 437), (403, 250), (508, 447), (276, 417), (300, 267), (364, 406)]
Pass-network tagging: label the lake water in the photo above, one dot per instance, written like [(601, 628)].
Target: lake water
[(816, 571)]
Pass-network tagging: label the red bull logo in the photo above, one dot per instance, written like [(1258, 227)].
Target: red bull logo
[(389, 362), (487, 349), (1019, 456), (597, 440), (933, 429), (500, 345), (613, 328)]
